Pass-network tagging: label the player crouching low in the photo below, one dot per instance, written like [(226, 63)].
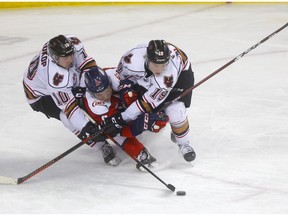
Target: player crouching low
[(101, 101)]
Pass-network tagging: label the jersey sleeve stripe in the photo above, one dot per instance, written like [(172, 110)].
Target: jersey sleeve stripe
[(29, 92), (139, 106), (146, 101), (71, 107), (86, 62)]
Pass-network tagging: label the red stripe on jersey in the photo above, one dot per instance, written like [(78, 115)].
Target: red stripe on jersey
[(86, 62), (70, 114), (152, 104), (184, 66), (29, 91), (71, 107), (69, 103), (139, 106)]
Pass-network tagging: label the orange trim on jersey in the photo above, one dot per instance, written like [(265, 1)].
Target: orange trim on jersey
[(90, 62), (69, 110), (29, 92), (143, 106), (139, 106), (151, 104)]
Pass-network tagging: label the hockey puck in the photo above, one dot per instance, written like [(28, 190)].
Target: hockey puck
[(181, 193)]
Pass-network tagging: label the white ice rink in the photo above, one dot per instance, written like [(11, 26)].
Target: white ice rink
[(238, 119)]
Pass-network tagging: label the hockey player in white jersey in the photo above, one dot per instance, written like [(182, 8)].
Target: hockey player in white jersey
[(50, 79), (165, 72), (102, 100)]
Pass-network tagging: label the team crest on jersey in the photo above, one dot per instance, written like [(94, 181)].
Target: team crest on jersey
[(127, 59), (168, 81), (75, 40), (57, 79), (97, 103)]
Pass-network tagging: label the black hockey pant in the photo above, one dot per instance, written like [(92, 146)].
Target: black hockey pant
[(185, 81), (47, 106)]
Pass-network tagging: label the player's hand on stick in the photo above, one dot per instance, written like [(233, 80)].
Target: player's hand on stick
[(90, 129), (114, 124), (153, 122)]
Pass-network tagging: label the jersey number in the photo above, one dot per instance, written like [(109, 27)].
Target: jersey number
[(158, 94), (61, 98)]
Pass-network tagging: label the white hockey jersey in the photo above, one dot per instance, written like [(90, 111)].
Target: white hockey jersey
[(44, 77), (132, 67)]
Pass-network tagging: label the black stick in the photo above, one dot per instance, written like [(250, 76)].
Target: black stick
[(225, 66), (16, 181), (169, 186)]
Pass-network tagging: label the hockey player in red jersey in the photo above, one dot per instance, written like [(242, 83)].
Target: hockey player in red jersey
[(101, 101), (164, 72)]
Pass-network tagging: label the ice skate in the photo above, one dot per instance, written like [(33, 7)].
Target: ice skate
[(109, 154), (187, 152), (146, 159)]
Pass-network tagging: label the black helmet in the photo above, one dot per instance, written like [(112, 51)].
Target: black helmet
[(158, 51), (60, 46), (96, 80)]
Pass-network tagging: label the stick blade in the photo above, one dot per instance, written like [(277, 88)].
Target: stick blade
[(8, 180), (171, 187)]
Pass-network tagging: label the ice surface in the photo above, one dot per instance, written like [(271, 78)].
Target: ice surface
[(238, 119)]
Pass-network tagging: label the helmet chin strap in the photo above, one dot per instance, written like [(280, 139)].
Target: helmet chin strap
[(147, 70), (54, 58)]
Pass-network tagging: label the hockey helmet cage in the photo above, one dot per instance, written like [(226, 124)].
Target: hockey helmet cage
[(96, 80), (60, 46), (158, 52)]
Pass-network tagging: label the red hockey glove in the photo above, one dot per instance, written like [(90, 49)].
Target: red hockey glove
[(127, 93), (129, 97), (157, 122)]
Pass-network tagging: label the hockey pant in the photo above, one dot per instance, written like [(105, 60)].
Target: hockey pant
[(47, 106), (178, 121)]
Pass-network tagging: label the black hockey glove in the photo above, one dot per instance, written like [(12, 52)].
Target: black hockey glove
[(90, 129), (113, 124), (78, 92)]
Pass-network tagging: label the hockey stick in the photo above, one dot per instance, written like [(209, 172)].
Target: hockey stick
[(169, 186), (223, 67), (17, 181)]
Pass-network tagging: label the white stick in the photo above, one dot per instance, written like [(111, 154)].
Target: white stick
[(8, 180)]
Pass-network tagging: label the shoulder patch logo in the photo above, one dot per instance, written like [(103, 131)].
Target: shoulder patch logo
[(75, 40), (127, 59)]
